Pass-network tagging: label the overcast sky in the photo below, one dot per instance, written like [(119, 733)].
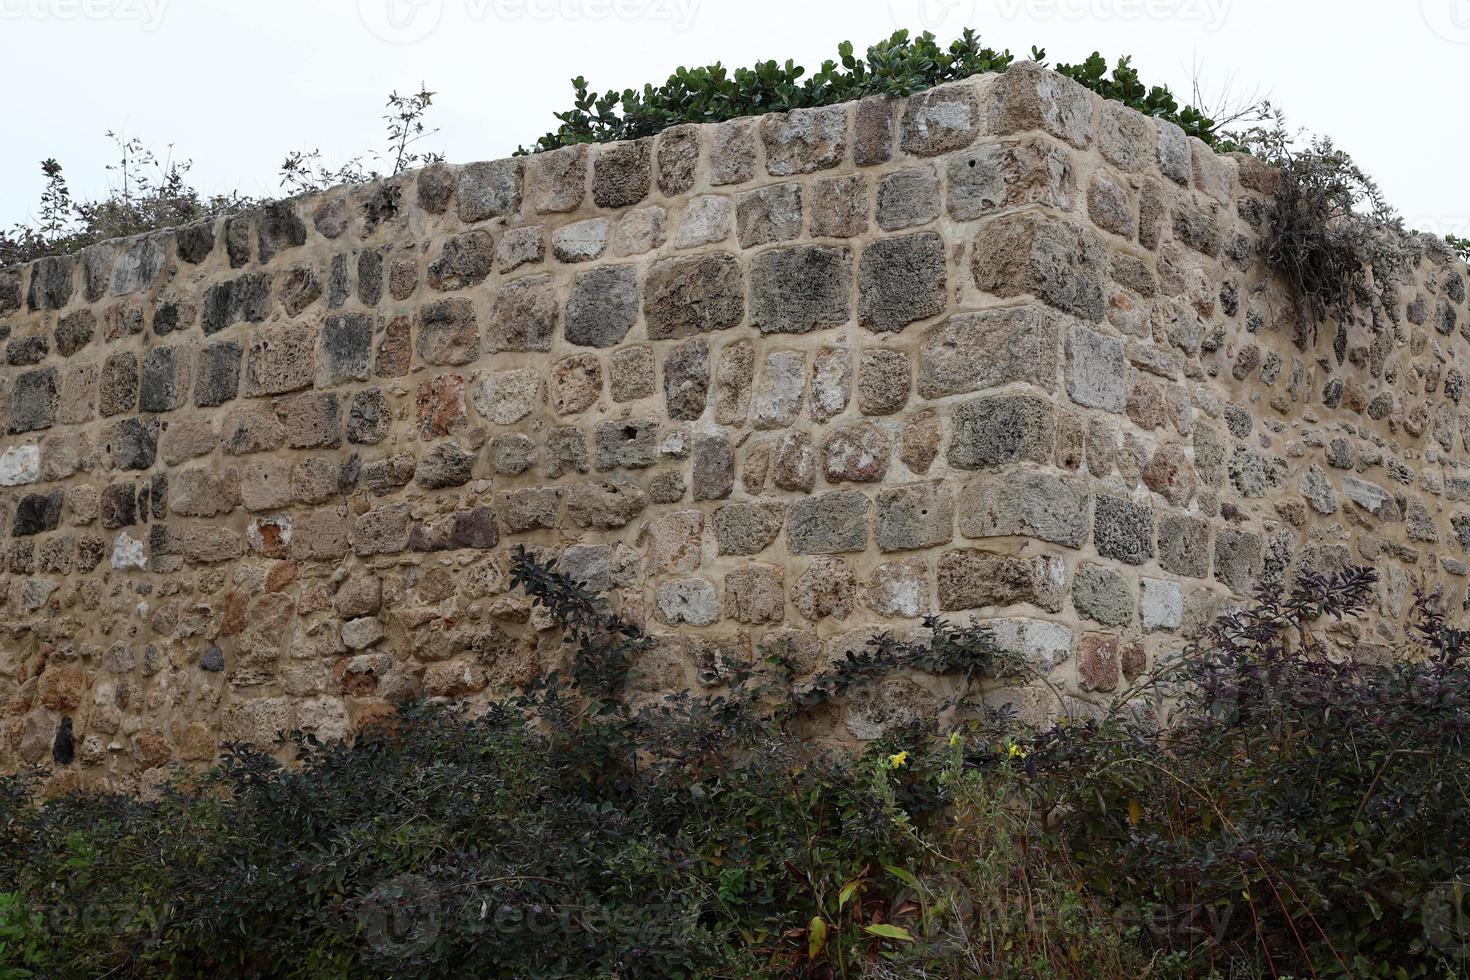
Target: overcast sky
[(235, 85)]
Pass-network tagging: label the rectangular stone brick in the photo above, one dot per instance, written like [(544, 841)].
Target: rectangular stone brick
[(1032, 505), (1002, 429), (974, 351)]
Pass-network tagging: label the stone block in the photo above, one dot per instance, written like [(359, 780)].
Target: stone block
[(800, 288), (993, 177), (1033, 505), (829, 523), (622, 173), (1001, 429), (1062, 264), (971, 579), (804, 141), (974, 351), (1028, 97), (901, 280), (914, 517), (1122, 529)]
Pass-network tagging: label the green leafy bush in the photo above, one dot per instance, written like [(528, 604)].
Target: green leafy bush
[(898, 66), (1298, 816)]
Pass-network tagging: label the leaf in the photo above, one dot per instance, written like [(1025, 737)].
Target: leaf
[(1135, 811), (902, 874), (844, 896), (885, 931), (816, 937)]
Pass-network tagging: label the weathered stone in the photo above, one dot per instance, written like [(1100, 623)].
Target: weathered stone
[(281, 359), (203, 491), (1237, 559), (53, 280), (686, 379), (1184, 545), (747, 529), (369, 415), (993, 177), (1028, 504), (800, 288), (556, 181), (974, 579), (677, 159), (1316, 488), (918, 444), (1002, 429), (630, 374), (769, 214), (506, 397), (1096, 369), (1102, 595), (1160, 605), (1123, 530), (901, 280), (622, 174), (973, 351), (782, 389), (602, 306), (313, 421), (755, 593), (627, 445), (794, 462), (446, 465), (575, 384), (675, 542), (732, 152), (914, 517), (36, 513), (691, 601), (33, 399), (1027, 97), (134, 444), (448, 333), (940, 119), (581, 241), (803, 141), (839, 207), (907, 198), (246, 298), (827, 588), (20, 465), (1057, 262), (165, 379), (884, 380), (707, 219), (714, 468), (827, 524), (278, 226), (855, 454), (489, 189)]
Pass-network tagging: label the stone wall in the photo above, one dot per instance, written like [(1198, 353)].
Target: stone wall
[(1003, 349)]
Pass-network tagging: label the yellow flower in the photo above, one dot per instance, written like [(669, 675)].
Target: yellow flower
[(1014, 751), (954, 739), (898, 759)]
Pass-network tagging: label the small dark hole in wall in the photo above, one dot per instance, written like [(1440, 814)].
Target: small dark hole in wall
[(629, 432)]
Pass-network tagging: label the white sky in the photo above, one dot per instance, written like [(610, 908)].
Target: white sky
[(235, 84)]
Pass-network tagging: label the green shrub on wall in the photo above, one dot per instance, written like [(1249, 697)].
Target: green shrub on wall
[(898, 66)]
